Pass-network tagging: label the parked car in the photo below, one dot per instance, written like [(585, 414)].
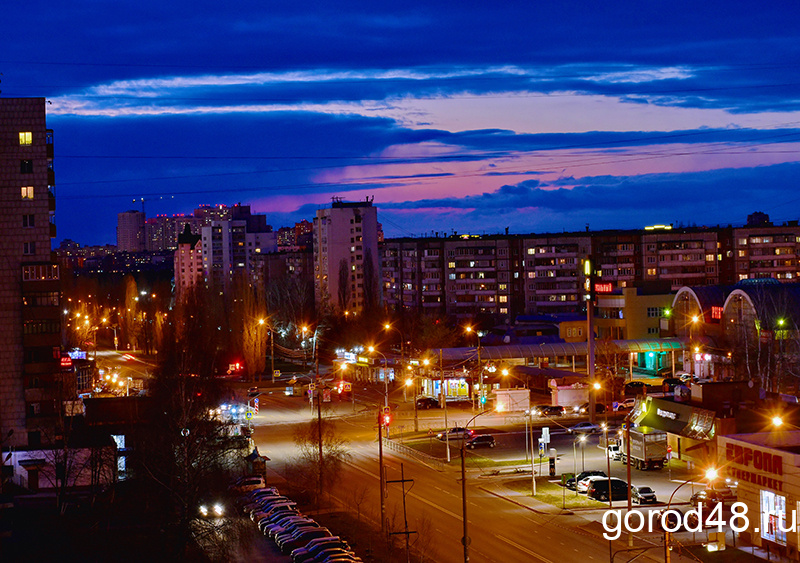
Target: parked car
[(584, 428), (613, 451), (571, 482), (317, 545), (598, 489), (643, 495), (480, 441), (302, 538), (583, 484), (670, 383), (246, 484), (427, 403), (455, 433), (635, 387), (727, 494)]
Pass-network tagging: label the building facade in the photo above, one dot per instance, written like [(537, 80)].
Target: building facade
[(346, 259), (32, 388), (130, 231)]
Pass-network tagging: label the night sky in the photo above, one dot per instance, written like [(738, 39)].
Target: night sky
[(455, 116)]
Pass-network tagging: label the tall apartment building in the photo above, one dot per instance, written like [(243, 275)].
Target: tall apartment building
[(32, 389), (188, 263), (346, 260), (228, 247), (130, 231)]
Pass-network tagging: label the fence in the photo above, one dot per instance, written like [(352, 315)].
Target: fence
[(431, 461)]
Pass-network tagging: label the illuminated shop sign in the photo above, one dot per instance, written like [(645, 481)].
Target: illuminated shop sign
[(666, 414), (761, 462)]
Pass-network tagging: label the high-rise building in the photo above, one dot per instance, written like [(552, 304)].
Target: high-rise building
[(32, 389), (130, 231), (188, 262), (347, 271)]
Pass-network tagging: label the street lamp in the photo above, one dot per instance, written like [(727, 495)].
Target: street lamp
[(387, 327), (372, 350), (271, 348), (481, 401)]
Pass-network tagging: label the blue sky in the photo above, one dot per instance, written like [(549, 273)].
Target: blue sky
[(468, 117)]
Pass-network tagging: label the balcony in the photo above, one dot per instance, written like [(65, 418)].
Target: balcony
[(51, 201)]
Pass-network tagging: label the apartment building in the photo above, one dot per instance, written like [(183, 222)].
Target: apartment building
[(130, 231), (346, 259), (230, 246), (32, 387), (188, 262)]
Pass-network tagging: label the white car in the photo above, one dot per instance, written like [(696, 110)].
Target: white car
[(583, 484), (626, 405), (584, 428), (614, 452)]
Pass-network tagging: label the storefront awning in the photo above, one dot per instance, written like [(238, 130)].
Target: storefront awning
[(676, 418), (551, 350)]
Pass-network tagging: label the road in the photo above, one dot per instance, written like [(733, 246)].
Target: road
[(500, 528)]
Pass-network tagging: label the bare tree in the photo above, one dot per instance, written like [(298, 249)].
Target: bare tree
[(344, 285)]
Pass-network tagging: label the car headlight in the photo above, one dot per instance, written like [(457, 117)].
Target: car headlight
[(218, 509), (204, 510)]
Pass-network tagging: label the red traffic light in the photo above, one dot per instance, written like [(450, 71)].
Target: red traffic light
[(387, 419)]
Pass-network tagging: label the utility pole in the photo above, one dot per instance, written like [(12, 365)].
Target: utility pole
[(382, 476), (405, 531), (318, 391)]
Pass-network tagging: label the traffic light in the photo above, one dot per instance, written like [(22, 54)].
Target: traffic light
[(387, 416)]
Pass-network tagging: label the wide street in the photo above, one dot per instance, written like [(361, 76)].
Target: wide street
[(503, 523)]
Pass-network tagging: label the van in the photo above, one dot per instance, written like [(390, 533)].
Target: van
[(614, 452), (598, 489)]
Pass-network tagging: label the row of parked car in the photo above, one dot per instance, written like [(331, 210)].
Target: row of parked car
[(295, 533), (597, 485)]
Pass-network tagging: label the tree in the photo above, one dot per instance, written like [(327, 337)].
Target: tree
[(307, 471), (130, 312), (344, 285)]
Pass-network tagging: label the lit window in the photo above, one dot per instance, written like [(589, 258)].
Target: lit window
[(27, 192), (25, 138)]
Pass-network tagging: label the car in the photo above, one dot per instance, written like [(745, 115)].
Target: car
[(626, 405), (599, 408), (301, 538), (570, 484), (635, 387), (583, 484), (427, 403), (725, 492), (709, 498), (455, 433), (480, 441), (643, 495), (247, 484), (670, 383), (273, 530), (584, 428), (553, 410), (315, 546), (599, 489), (613, 451), (672, 518)]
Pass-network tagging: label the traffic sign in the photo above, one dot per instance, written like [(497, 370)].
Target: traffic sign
[(276, 373), (347, 387), (312, 386), (248, 415), (545, 434)]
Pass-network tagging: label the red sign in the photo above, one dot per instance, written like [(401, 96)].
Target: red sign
[(66, 362), (603, 288)]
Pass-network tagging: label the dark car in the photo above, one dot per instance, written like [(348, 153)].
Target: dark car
[(709, 498), (599, 408), (427, 403), (480, 441), (670, 383), (599, 489), (635, 387), (571, 482), (554, 410), (643, 495)]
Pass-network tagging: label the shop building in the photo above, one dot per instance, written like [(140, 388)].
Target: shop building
[(765, 465)]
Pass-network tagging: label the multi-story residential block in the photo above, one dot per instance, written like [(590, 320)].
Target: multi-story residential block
[(32, 387), (346, 260), (229, 246), (767, 252), (130, 231), (553, 272), (189, 271)]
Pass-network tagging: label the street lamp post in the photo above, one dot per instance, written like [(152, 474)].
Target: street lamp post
[(372, 350), (469, 329)]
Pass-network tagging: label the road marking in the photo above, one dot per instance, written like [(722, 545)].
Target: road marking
[(528, 551)]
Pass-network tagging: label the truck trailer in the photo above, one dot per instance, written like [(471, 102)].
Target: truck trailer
[(648, 447)]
